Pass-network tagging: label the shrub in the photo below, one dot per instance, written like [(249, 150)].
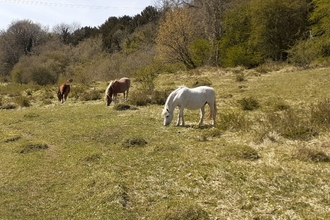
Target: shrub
[(239, 152), (33, 147), (76, 91), (249, 104), (307, 154), (240, 77), (134, 142), (121, 107), (22, 101), (159, 97), (180, 210), (90, 95), (233, 121), (290, 125), (201, 81), (320, 113), (139, 98), (9, 106)]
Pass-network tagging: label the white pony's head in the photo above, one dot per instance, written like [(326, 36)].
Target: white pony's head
[(168, 116)]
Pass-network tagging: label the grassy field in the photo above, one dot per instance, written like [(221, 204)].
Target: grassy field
[(83, 160)]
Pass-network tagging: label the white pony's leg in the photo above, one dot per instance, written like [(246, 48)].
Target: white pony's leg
[(180, 117), (202, 113)]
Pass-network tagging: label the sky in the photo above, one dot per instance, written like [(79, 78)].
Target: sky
[(50, 13)]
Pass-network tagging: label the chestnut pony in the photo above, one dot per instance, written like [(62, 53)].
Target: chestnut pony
[(117, 86), (63, 91)]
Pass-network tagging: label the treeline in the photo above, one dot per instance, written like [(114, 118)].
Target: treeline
[(172, 36)]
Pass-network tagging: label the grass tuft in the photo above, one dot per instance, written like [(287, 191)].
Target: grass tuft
[(12, 139), (180, 210), (92, 158), (239, 152), (9, 106), (307, 154), (122, 107), (33, 148), (249, 104), (134, 142)]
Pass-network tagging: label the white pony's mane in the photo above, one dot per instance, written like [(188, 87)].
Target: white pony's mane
[(170, 97)]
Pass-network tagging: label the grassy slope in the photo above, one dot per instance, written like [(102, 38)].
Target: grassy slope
[(87, 173)]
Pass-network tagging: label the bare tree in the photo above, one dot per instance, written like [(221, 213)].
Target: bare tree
[(175, 35), (18, 40)]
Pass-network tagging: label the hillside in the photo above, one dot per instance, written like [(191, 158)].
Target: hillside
[(83, 160)]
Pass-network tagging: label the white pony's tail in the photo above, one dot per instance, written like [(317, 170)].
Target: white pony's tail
[(215, 109)]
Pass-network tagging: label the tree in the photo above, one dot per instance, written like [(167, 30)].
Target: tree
[(65, 31), (17, 41), (276, 25), (211, 18), (316, 43), (234, 44), (320, 19), (257, 30), (175, 35), (114, 31)]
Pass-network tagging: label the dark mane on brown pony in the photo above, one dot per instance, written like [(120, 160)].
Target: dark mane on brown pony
[(64, 90)]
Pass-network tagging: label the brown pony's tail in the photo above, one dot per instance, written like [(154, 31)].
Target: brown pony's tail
[(215, 109)]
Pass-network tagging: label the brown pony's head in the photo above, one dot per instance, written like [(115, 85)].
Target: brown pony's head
[(108, 99), (108, 94)]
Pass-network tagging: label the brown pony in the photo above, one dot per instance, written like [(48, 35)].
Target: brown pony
[(117, 86), (63, 91)]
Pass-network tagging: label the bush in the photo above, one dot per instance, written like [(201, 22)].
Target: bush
[(233, 121), (249, 104), (22, 101), (9, 106), (307, 154), (290, 125), (33, 147), (239, 152), (121, 107), (143, 97), (90, 95), (180, 210), (134, 142), (139, 98), (240, 77), (320, 113), (159, 97), (201, 81)]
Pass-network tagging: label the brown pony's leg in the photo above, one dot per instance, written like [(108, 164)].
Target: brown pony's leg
[(114, 98)]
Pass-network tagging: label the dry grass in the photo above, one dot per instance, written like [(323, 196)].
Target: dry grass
[(83, 160)]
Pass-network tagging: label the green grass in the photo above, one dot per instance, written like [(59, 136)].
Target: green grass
[(82, 160)]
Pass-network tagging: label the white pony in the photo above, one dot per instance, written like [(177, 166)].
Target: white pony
[(195, 98)]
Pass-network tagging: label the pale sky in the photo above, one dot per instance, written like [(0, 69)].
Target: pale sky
[(53, 12)]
